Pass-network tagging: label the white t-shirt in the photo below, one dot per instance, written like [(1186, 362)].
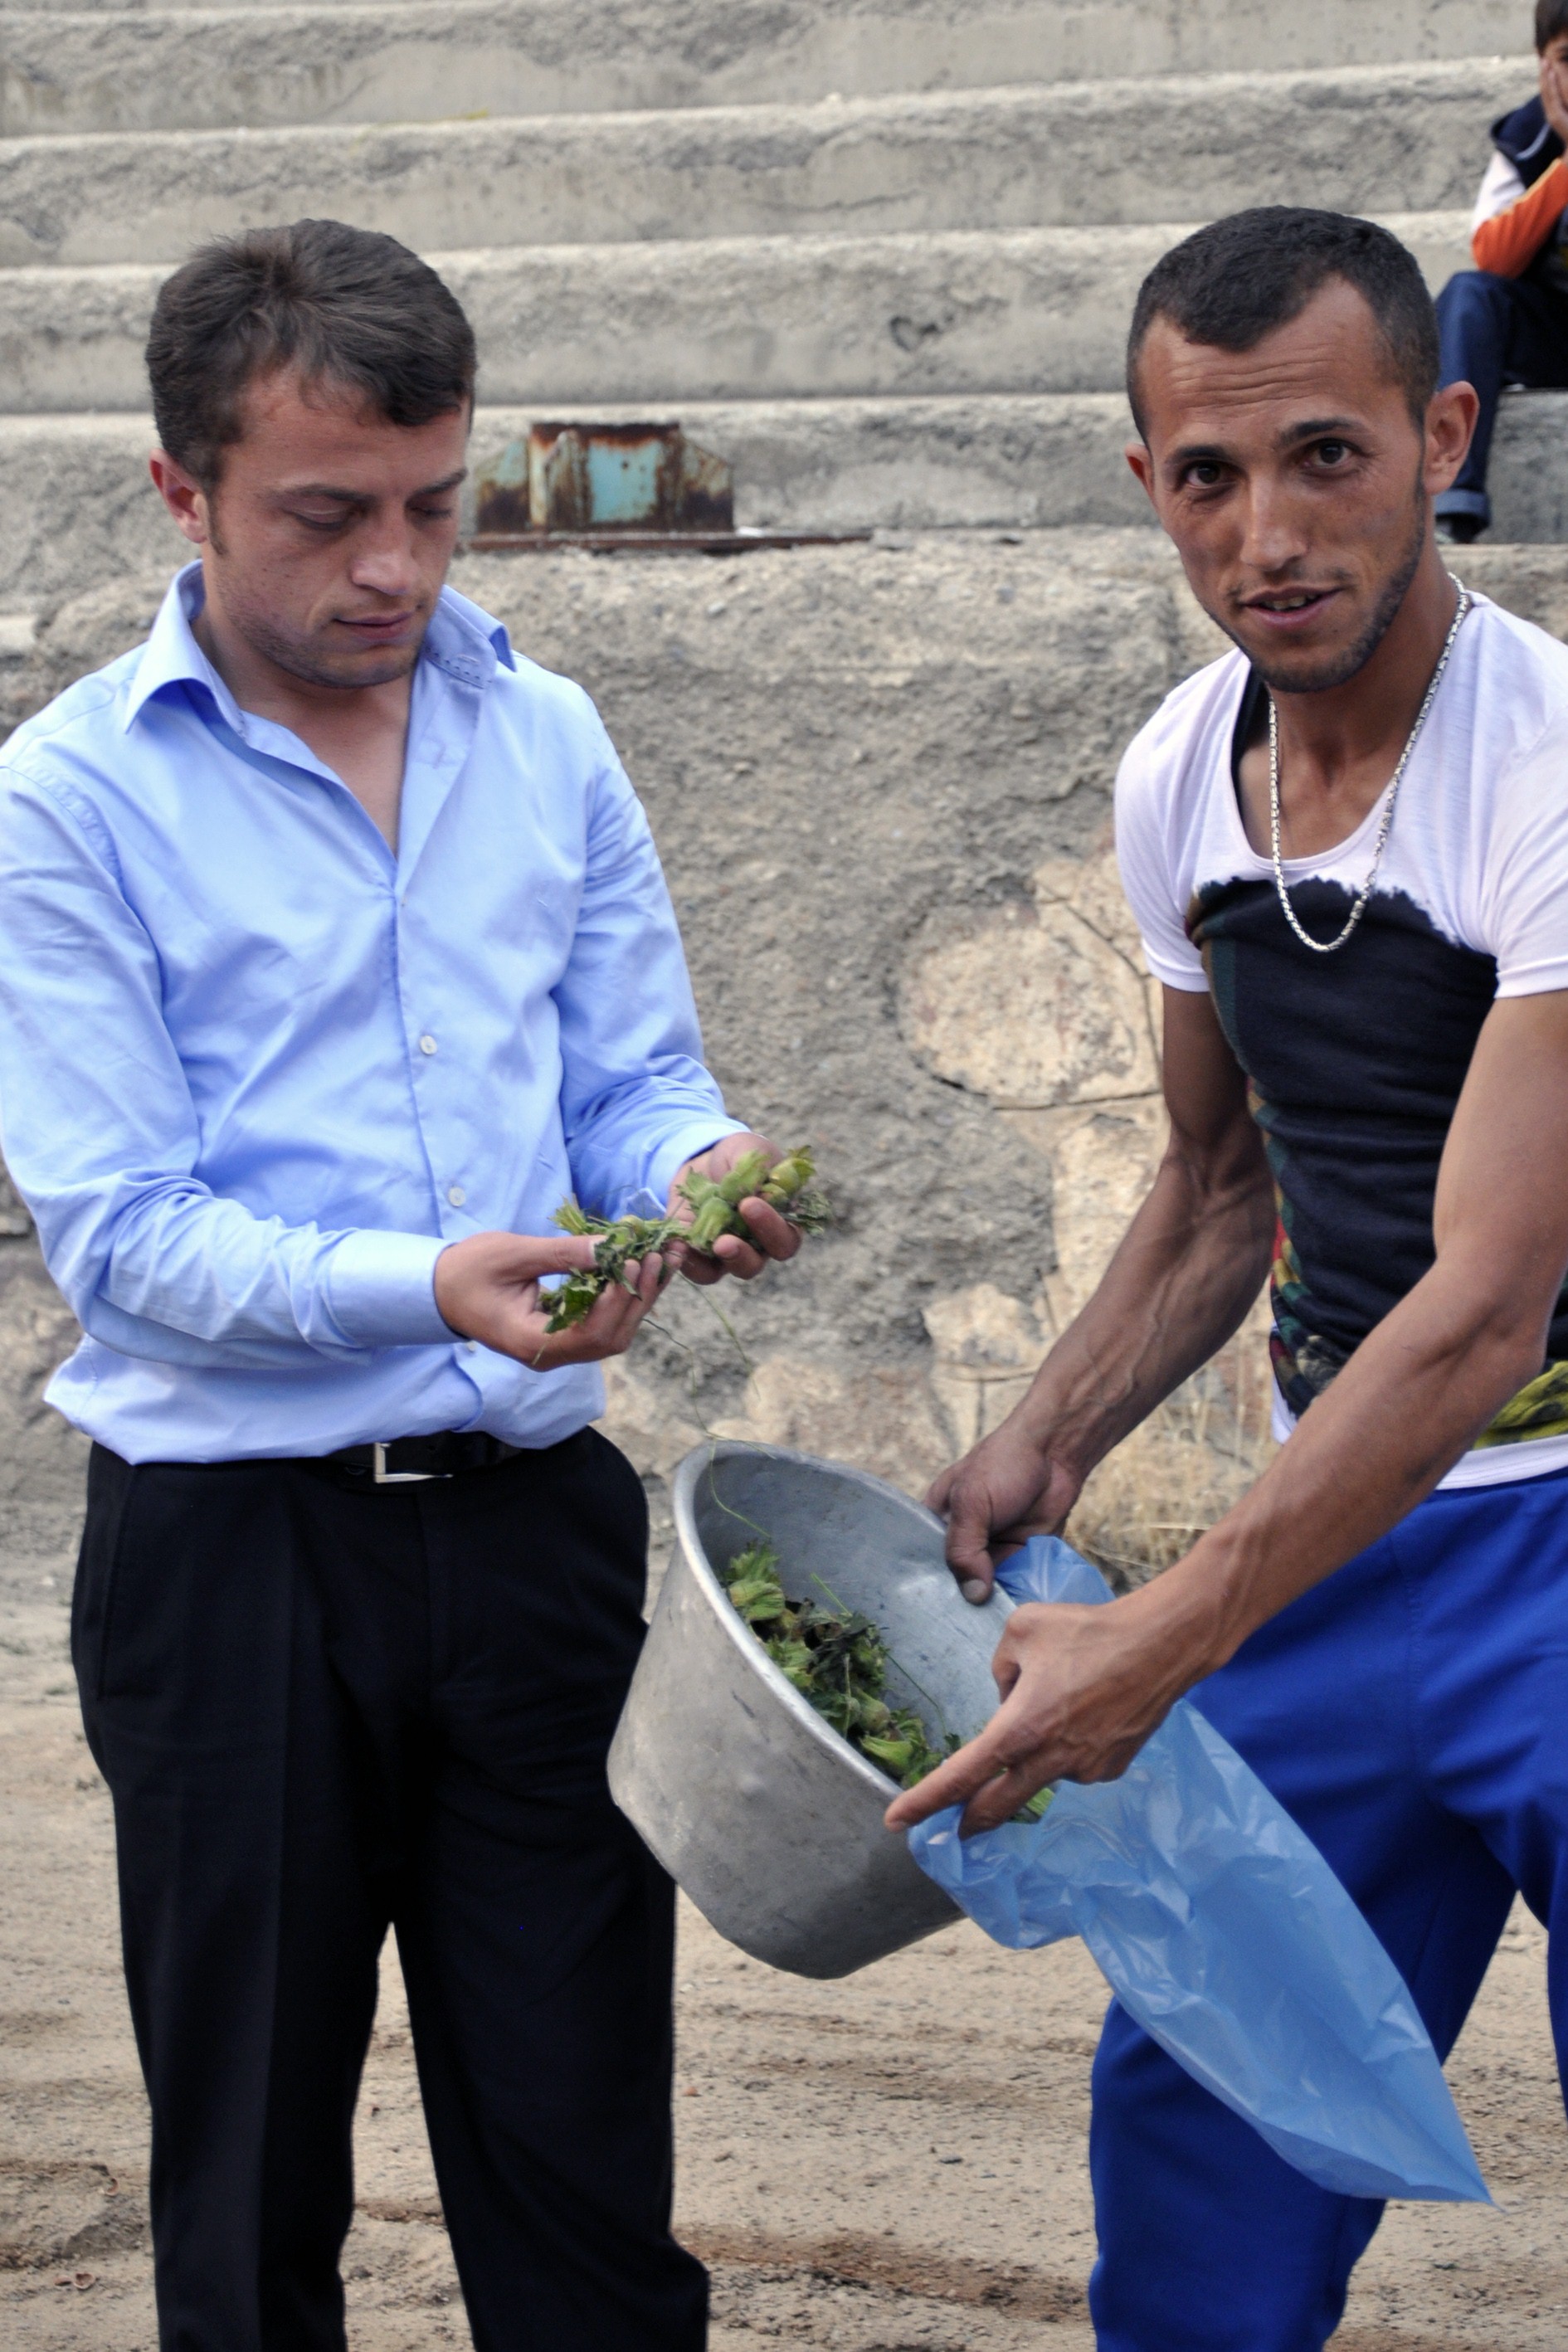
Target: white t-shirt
[(1355, 1060)]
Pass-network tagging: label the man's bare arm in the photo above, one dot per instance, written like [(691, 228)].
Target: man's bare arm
[(1187, 1270), (1083, 1688)]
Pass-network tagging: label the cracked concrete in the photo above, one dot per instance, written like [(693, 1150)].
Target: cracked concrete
[(956, 312), (878, 775), (108, 66), (1410, 138), (78, 517)]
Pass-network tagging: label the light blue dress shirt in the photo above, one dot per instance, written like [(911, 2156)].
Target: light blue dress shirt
[(256, 1072)]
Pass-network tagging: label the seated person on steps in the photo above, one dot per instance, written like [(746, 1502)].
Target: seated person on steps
[(1506, 321)]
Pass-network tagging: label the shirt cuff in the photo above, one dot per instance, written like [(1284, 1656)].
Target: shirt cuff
[(382, 1290), (671, 1157)]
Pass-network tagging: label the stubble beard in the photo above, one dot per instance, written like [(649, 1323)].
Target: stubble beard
[(296, 656), (1339, 668), (302, 659)]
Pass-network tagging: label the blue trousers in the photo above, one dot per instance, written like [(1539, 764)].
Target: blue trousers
[(1412, 1714), (1495, 332)]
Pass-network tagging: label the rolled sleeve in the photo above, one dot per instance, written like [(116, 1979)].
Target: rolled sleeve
[(382, 1290)]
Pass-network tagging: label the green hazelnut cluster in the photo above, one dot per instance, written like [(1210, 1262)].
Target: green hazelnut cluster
[(709, 1211), (838, 1660)]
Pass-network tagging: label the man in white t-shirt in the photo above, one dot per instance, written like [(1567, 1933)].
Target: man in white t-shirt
[(1362, 933)]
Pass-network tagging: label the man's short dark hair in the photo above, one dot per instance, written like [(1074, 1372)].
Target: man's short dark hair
[(341, 305), (1243, 278), (1551, 20)]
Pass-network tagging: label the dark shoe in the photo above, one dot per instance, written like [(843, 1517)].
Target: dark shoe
[(1458, 530)]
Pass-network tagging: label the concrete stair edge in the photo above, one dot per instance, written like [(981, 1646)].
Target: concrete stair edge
[(160, 69), (77, 508), (1405, 140), (767, 318)]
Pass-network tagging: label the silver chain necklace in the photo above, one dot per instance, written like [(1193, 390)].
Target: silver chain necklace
[(1328, 947)]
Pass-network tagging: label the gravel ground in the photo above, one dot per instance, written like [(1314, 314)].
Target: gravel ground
[(894, 2163)]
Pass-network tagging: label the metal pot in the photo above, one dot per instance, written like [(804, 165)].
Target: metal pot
[(771, 1822)]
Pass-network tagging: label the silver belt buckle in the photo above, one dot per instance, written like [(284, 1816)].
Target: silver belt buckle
[(383, 1476)]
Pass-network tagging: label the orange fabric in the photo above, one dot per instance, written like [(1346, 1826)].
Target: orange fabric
[(1509, 241)]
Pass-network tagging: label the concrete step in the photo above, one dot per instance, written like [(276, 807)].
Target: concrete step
[(77, 508), (101, 8), (274, 62), (744, 317), (1379, 138)]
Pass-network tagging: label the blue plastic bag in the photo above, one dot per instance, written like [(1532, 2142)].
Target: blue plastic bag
[(1221, 1928)]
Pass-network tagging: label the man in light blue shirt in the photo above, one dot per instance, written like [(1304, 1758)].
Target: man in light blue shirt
[(334, 954)]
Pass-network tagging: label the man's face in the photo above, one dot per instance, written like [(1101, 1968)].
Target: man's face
[(1295, 483), (328, 537)]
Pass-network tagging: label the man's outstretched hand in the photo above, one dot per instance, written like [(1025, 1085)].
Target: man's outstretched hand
[(1010, 1486), (1081, 1691), (488, 1289), (772, 1237), (1082, 1688)]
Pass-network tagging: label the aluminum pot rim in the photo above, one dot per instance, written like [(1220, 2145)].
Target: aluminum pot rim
[(683, 1486)]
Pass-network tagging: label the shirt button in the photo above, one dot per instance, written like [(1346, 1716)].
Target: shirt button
[(455, 1194), (428, 1044)]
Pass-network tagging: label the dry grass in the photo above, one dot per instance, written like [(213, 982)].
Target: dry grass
[(1150, 1500)]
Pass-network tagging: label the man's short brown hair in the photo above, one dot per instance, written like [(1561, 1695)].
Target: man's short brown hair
[(1551, 20), (340, 305)]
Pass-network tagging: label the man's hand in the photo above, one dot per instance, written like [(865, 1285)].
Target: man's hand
[(1554, 96), (488, 1289), (772, 1237), (1082, 1689), (1007, 1488)]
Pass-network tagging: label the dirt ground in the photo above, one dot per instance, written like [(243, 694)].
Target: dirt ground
[(891, 2164)]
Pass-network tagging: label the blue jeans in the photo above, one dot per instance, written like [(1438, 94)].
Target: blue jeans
[(1412, 1714), (1496, 332)]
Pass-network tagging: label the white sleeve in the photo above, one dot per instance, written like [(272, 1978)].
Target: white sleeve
[(1527, 886), (1500, 187), (1144, 831)]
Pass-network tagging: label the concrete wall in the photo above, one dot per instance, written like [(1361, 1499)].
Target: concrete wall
[(880, 253), (879, 776)]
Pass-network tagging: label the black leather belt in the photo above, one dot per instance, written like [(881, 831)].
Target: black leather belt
[(403, 1460)]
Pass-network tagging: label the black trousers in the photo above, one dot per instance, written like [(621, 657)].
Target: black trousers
[(323, 1707)]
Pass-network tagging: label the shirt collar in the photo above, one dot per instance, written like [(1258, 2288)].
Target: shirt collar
[(458, 625), (462, 640)]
